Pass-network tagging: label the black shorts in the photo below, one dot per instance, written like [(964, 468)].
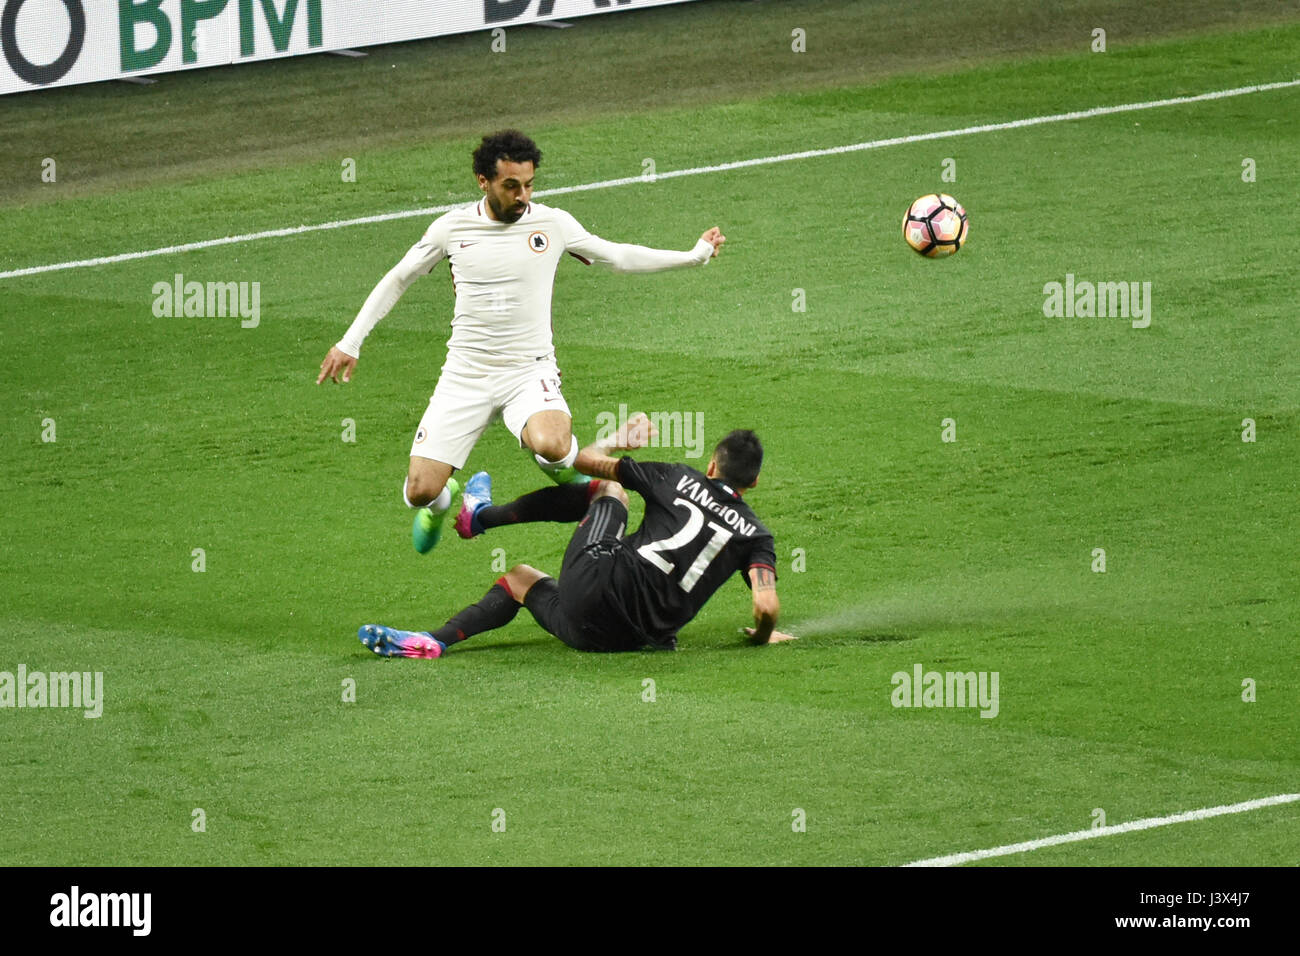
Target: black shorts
[(577, 609)]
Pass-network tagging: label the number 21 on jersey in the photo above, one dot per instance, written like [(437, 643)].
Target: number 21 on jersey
[(694, 522)]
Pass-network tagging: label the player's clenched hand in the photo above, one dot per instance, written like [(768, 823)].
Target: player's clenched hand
[(776, 637), (335, 362), (635, 433), (715, 238)]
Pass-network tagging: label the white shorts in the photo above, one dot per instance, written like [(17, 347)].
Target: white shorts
[(471, 394)]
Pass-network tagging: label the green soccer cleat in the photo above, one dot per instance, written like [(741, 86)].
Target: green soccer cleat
[(568, 476), (426, 529)]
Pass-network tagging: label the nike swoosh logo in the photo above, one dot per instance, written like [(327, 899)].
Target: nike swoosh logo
[(464, 244)]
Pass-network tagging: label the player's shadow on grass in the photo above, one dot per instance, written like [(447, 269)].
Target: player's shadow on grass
[(519, 644), (842, 638), (847, 637)]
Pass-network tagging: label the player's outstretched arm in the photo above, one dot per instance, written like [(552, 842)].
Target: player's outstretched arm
[(766, 608), (343, 356), (419, 259), (628, 257), (595, 460)]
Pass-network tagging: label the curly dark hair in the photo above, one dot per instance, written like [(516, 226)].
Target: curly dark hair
[(739, 457), (508, 144)]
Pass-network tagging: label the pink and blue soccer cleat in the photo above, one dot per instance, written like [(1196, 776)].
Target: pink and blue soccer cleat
[(390, 642), (477, 496)]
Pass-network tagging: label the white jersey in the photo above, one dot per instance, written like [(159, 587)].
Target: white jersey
[(503, 274)]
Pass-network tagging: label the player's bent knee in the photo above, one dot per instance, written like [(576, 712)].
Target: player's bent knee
[(520, 579), (554, 447), (422, 488), (612, 489)]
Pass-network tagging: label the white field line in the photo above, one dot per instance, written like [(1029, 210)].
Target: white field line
[(956, 859), (671, 174)]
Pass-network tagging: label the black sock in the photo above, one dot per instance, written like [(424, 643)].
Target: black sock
[(558, 503), (496, 609)]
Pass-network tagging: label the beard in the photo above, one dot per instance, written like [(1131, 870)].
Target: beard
[(505, 213)]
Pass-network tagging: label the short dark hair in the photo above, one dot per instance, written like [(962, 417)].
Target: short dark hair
[(739, 457), (508, 144)]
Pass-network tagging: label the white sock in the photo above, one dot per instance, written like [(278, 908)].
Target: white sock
[(551, 467), (438, 505)]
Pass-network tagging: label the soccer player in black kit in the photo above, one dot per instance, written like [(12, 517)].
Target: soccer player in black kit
[(616, 593)]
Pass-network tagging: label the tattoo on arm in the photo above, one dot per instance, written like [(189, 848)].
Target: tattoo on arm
[(593, 461), (762, 580)]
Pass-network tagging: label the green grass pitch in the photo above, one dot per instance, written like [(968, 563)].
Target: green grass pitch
[(1120, 691)]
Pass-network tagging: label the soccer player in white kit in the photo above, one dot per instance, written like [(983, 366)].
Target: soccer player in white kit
[(503, 252)]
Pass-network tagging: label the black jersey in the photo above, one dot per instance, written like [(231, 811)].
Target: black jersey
[(697, 532)]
